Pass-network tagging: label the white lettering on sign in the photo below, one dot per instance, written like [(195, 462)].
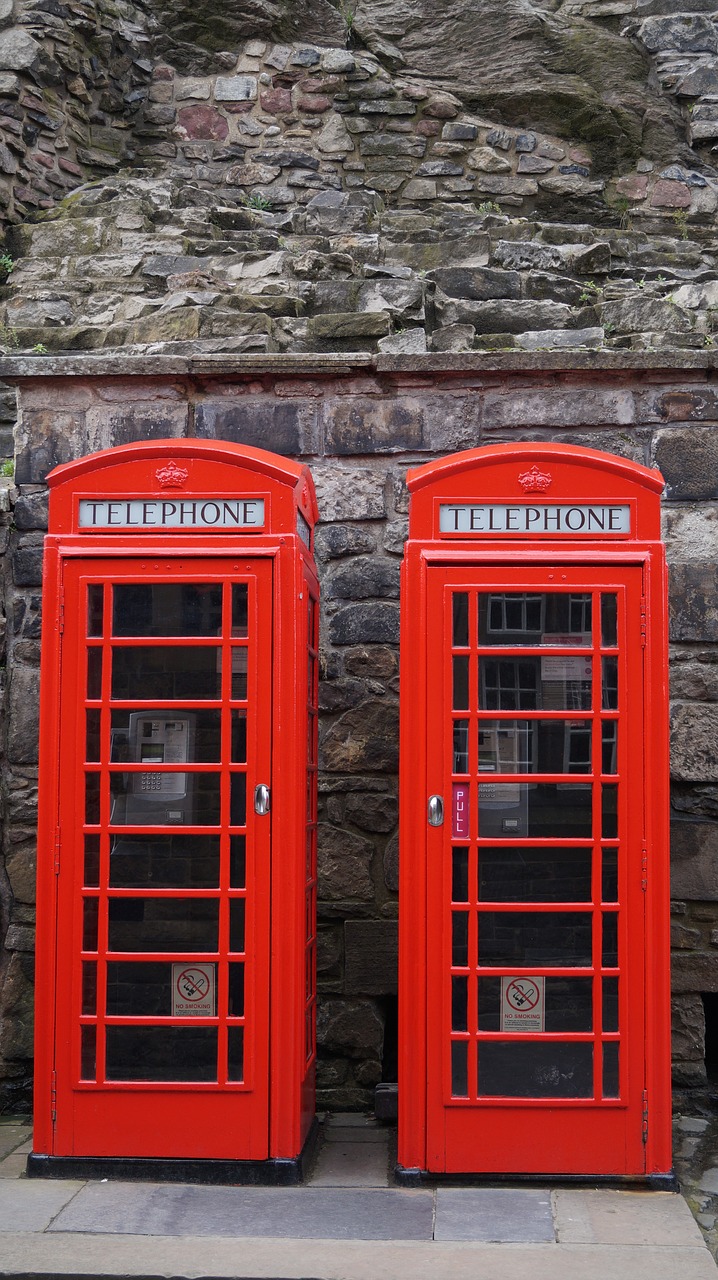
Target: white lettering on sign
[(522, 518), (522, 1004), (171, 513)]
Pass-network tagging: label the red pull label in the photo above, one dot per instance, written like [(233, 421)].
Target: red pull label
[(460, 811)]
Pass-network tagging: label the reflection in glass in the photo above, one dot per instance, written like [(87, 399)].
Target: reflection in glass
[(532, 1069), (610, 1004), (92, 861), (460, 875), (169, 736), (460, 620), (609, 633), (239, 737), (459, 1069), (531, 618), (237, 862), (461, 746), (609, 879), (92, 736), (535, 684), (167, 609), (162, 1053), (240, 609), (162, 673), (139, 989), (235, 1053), (164, 862), (94, 673), (534, 746), (524, 938), (88, 1053), (609, 684), (568, 1004), (534, 875), (95, 600), (89, 987), (544, 809), (90, 918), (460, 1004), (609, 810), (163, 924), (236, 924), (610, 940), (461, 683), (239, 673), (610, 1069), (158, 799), (236, 991), (459, 939), (609, 746)]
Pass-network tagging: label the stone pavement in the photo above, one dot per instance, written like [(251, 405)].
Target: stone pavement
[(347, 1223)]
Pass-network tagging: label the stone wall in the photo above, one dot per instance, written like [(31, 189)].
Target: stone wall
[(359, 422)]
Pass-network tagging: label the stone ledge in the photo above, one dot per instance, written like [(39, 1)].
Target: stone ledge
[(19, 368)]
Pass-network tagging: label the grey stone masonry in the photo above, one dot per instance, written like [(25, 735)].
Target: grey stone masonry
[(360, 421)]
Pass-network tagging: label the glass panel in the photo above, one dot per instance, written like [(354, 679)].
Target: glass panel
[(609, 811), (609, 746), (239, 673), (459, 1069), (88, 1053), (163, 924), (94, 673), (237, 799), (235, 1053), (95, 600), (534, 875), (162, 1053), (568, 1004), (139, 990), (461, 746), (544, 809), (609, 612), (610, 1070), (167, 609), (236, 924), (609, 684), (609, 887), (459, 1004), (535, 684), (610, 940), (460, 939), (553, 619), (157, 799), (534, 746), (527, 938), (92, 799), (92, 861), (161, 674), (610, 1004), (236, 990), (532, 1069), (240, 609), (460, 620), (166, 737), (92, 737), (239, 737), (89, 986), (460, 875), (461, 684), (90, 918), (237, 862), (164, 862)]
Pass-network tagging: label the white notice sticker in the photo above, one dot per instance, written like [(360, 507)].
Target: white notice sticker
[(522, 1004)]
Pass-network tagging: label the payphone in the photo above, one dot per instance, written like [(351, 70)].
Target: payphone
[(534, 1032), (177, 831)]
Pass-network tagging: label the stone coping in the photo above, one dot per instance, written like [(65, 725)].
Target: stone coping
[(20, 368)]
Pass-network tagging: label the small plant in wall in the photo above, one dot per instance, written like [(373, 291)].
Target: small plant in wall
[(6, 266), (489, 206), (256, 201), (7, 469)]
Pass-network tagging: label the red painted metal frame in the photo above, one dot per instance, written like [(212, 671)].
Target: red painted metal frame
[(491, 475), (280, 553)]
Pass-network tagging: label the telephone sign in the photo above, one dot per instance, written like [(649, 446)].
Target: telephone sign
[(533, 984), (176, 992)]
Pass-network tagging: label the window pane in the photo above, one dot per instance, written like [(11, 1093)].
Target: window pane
[(167, 609), (240, 609), (460, 607), (461, 746), (88, 1053), (534, 684), (90, 919), (163, 924), (162, 1053), (164, 862), (92, 736), (610, 940), (532, 1069), (609, 811), (526, 938), (609, 746), (460, 875), (94, 673), (545, 809), (459, 1004), (610, 1004), (92, 861), (609, 621), (237, 799), (166, 737), (236, 991), (609, 683), (554, 619), (237, 862), (459, 1069), (89, 987), (236, 924), (157, 799), (239, 736), (568, 1004), (534, 875), (534, 746), (460, 939), (235, 1047), (139, 990), (161, 673), (95, 601), (239, 673), (609, 889), (610, 1070), (461, 683)]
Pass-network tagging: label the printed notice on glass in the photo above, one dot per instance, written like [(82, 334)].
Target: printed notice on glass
[(193, 990), (523, 1004), (566, 667)]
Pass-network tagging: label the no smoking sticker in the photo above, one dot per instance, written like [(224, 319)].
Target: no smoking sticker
[(522, 1004), (193, 990)]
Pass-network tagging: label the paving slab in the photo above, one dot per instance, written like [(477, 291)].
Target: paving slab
[(352, 1164), (87, 1257), (11, 1137), (494, 1215), (624, 1217), (157, 1209), (32, 1206)]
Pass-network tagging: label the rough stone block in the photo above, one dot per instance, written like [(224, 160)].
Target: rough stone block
[(365, 624), (694, 861), (365, 578), (688, 1029), (349, 325), (693, 602), (688, 459), (364, 739), (350, 1027), (235, 89), (23, 709), (371, 951), (27, 567), (694, 733), (357, 425), (109, 426), (202, 122), (477, 284), (30, 511), (286, 427), (593, 407), (343, 865), (691, 533), (349, 493)]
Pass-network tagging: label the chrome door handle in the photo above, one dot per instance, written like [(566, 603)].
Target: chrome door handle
[(262, 799), (436, 811)]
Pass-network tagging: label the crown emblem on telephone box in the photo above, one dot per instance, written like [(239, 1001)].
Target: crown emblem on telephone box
[(535, 480), (172, 476)]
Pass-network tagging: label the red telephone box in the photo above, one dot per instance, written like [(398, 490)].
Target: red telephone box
[(177, 826), (534, 993)]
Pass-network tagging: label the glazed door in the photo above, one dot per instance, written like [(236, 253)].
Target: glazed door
[(536, 943), (162, 1006)]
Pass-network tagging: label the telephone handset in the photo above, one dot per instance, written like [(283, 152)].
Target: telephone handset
[(156, 738)]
